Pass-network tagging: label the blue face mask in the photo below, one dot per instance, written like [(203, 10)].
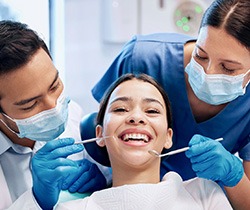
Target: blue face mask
[(215, 89), (46, 125)]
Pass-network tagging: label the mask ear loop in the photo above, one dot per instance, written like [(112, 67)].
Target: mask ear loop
[(14, 132), (246, 77), (8, 127)]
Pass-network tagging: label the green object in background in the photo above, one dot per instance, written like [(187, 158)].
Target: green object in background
[(65, 195)]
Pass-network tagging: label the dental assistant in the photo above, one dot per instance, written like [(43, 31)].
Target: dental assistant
[(34, 111), (207, 81)]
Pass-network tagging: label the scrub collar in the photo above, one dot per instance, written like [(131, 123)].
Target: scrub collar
[(6, 144)]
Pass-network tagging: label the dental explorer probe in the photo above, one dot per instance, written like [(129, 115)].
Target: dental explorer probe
[(157, 154), (92, 139)]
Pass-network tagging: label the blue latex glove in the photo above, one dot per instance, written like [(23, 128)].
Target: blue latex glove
[(50, 169), (210, 160), (88, 178)]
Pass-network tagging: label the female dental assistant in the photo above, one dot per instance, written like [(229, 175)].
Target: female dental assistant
[(207, 83)]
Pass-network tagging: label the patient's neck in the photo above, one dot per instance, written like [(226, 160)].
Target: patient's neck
[(126, 175)]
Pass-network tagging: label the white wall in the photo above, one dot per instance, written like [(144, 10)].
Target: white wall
[(78, 49), (87, 57), (21, 11)]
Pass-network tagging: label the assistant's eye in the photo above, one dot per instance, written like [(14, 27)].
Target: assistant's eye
[(227, 70), (199, 54), (199, 57)]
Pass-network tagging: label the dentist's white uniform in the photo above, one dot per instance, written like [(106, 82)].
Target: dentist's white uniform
[(15, 160)]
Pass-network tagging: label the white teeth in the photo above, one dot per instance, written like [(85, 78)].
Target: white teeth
[(135, 137)]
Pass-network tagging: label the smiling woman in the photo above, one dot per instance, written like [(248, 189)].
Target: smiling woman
[(135, 111), (137, 121)]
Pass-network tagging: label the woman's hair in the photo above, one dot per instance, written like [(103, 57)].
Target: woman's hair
[(18, 44), (231, 15), (127, 77)]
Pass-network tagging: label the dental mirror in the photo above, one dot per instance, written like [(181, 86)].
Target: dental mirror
[(157, 154)]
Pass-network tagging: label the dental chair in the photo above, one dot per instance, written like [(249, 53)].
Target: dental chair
[(87, 131)]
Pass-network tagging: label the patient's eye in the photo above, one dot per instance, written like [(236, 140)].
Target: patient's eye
[(153, 111), (120, 109)]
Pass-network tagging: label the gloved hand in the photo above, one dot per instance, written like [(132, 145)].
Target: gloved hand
[(210, 160), (88, 178), (50, 169)]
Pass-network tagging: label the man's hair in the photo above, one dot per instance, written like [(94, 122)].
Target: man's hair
[(18, 43)]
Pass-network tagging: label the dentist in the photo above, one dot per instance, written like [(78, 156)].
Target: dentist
[(34, 111)]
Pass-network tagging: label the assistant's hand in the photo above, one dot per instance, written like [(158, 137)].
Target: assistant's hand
[(210, 160), (50, 169)]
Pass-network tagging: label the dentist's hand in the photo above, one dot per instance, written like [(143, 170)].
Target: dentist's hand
[(88, 178), (50, 169), (210, 160)]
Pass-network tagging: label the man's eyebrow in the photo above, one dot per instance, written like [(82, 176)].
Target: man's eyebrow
[(25, 101), (55, 79)]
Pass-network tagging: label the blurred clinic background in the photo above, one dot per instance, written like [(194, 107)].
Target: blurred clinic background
[(84, 36)]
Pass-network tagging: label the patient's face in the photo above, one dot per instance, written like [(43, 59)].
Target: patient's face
[(136, 117)]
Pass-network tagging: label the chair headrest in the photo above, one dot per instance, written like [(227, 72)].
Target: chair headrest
[(87, 130)]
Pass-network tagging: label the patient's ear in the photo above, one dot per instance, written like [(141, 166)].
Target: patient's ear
[(98, 133), (168, 144)]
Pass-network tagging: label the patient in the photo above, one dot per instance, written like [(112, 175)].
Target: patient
[(136, 113)]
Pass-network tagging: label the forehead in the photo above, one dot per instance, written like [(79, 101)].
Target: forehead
[(216, 43), (137, 89), (29, 80)]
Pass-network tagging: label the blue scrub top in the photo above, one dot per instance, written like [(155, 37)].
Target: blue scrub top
[(162, 57)]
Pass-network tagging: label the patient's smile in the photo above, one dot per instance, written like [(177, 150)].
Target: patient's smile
[(135, 137)]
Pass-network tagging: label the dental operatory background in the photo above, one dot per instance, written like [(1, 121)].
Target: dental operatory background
[(85, 36)]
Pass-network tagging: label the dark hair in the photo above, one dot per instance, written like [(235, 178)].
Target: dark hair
[(231, 15), (18, 44), (127, 77)]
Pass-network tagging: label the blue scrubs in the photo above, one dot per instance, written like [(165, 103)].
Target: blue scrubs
[(161, 56)]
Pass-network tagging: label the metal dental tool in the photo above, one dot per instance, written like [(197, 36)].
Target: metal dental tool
[(93, 139), (157, 154)]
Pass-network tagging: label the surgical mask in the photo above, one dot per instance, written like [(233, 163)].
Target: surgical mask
[(46, 125), (214, 89)]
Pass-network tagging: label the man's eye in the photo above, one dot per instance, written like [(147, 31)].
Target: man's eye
[(55, 87), (29, 107)]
